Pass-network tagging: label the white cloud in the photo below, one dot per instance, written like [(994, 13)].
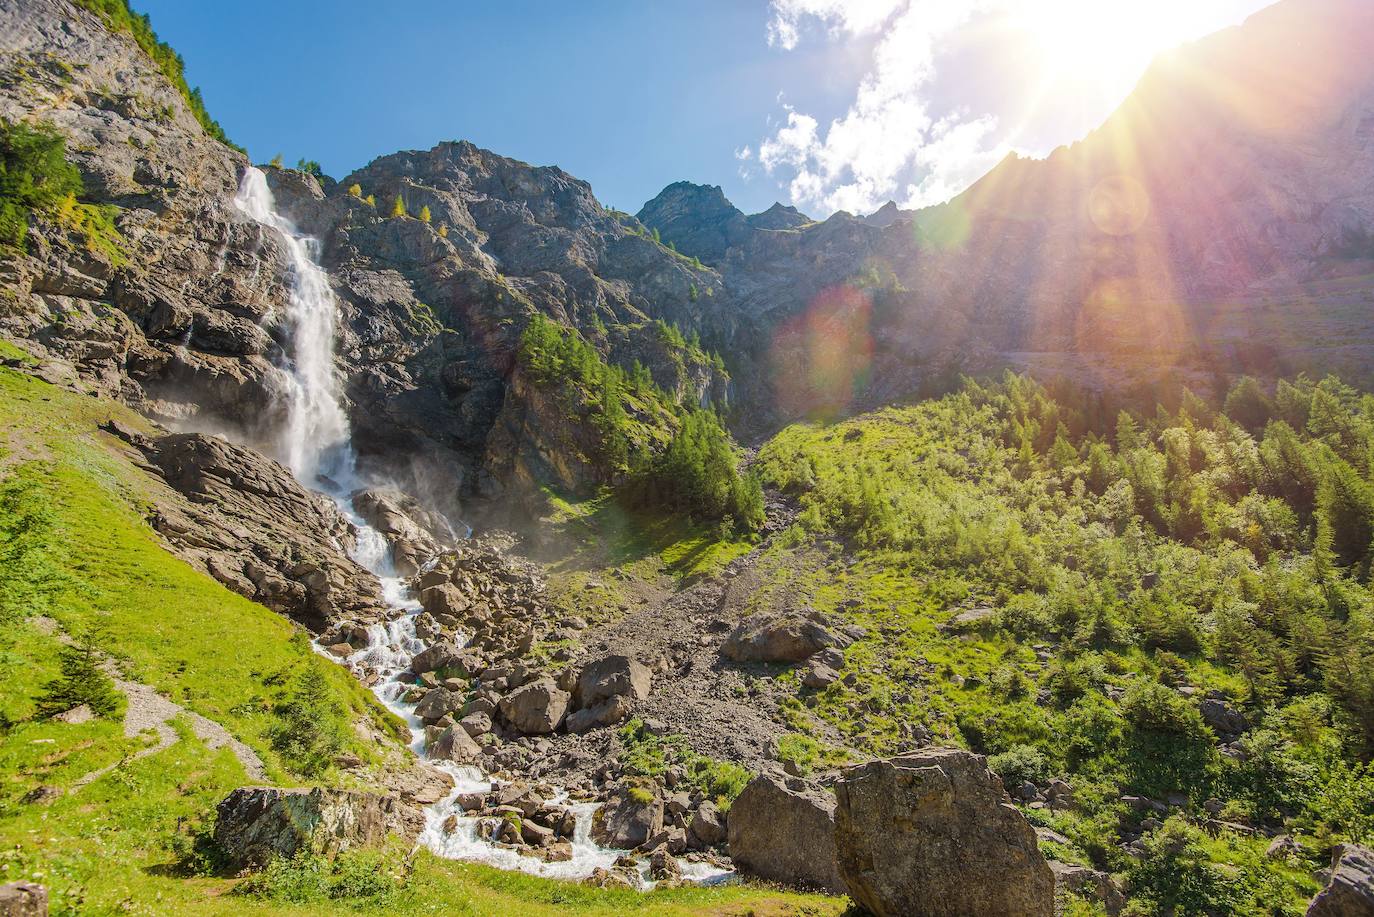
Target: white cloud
[(855, 17), (743, 154), (862, 158), (954, 85)]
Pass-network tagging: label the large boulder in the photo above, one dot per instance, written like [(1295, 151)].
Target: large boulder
[(255, 824), (1350, 890), (780, 640), (537, 708), (437, 702), (930, 833), (454, 744), (707, 828), (23, 899), (606, 713), (612, 676), (785, 831), (632, 815)]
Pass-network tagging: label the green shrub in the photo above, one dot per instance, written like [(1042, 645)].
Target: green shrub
[(365, 877), (1020, 764), (311, 723), (81, 682), (1168, 747)]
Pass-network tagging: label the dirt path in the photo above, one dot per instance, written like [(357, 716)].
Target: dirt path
[(146, 709)]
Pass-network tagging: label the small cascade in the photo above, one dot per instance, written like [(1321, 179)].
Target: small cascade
[(315, 443)]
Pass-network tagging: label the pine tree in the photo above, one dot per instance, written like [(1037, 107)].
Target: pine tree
[(81, 682), (443, 230), (424, 214), (276, 162), (371, 200), (398, 207), (355, 190)]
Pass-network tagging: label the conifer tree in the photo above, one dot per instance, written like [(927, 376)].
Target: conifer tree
[(398, 207), (81, 682), (355, 190), (424, 214)]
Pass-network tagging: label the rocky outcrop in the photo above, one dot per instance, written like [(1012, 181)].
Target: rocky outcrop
[(255, 824), (416, 534), (931, 833), (252, 526), (1349, 892), (23, 899), (785, 831)]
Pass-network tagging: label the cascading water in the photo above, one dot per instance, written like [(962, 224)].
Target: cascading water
[(315, 443), (315, 437)]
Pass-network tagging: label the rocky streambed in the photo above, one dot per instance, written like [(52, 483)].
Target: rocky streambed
[(450, 663)]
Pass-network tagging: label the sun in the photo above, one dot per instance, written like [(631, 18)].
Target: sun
[(1097, 49)]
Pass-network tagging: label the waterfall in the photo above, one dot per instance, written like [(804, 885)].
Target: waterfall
[(315, 444), (315, 439)]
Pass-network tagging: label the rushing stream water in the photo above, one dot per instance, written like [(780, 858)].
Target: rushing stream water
[(315, 443)]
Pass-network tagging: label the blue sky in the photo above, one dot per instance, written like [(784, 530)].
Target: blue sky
[(629, 96), (826, 104)]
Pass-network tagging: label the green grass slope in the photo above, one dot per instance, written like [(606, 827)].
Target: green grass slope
[(78, 558)]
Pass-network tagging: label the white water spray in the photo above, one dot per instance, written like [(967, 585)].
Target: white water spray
[(315, 438)]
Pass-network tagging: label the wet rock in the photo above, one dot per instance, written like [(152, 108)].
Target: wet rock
[(453, 744), (928, 833), (415, 533), (537, 708), (663, 867), (632, 815), (1349, 892), (612, 676), (785, 831), (23, 899), (254, 824), (779, 640)]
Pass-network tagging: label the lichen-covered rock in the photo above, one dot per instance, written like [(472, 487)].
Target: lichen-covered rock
[(1350, 890), (929, 834), (255, 824), (785, 831)]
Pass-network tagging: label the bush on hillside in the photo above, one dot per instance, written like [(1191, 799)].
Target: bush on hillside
[(81, 682)]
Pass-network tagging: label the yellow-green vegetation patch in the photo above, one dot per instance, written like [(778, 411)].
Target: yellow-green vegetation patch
[(1170, 601)]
